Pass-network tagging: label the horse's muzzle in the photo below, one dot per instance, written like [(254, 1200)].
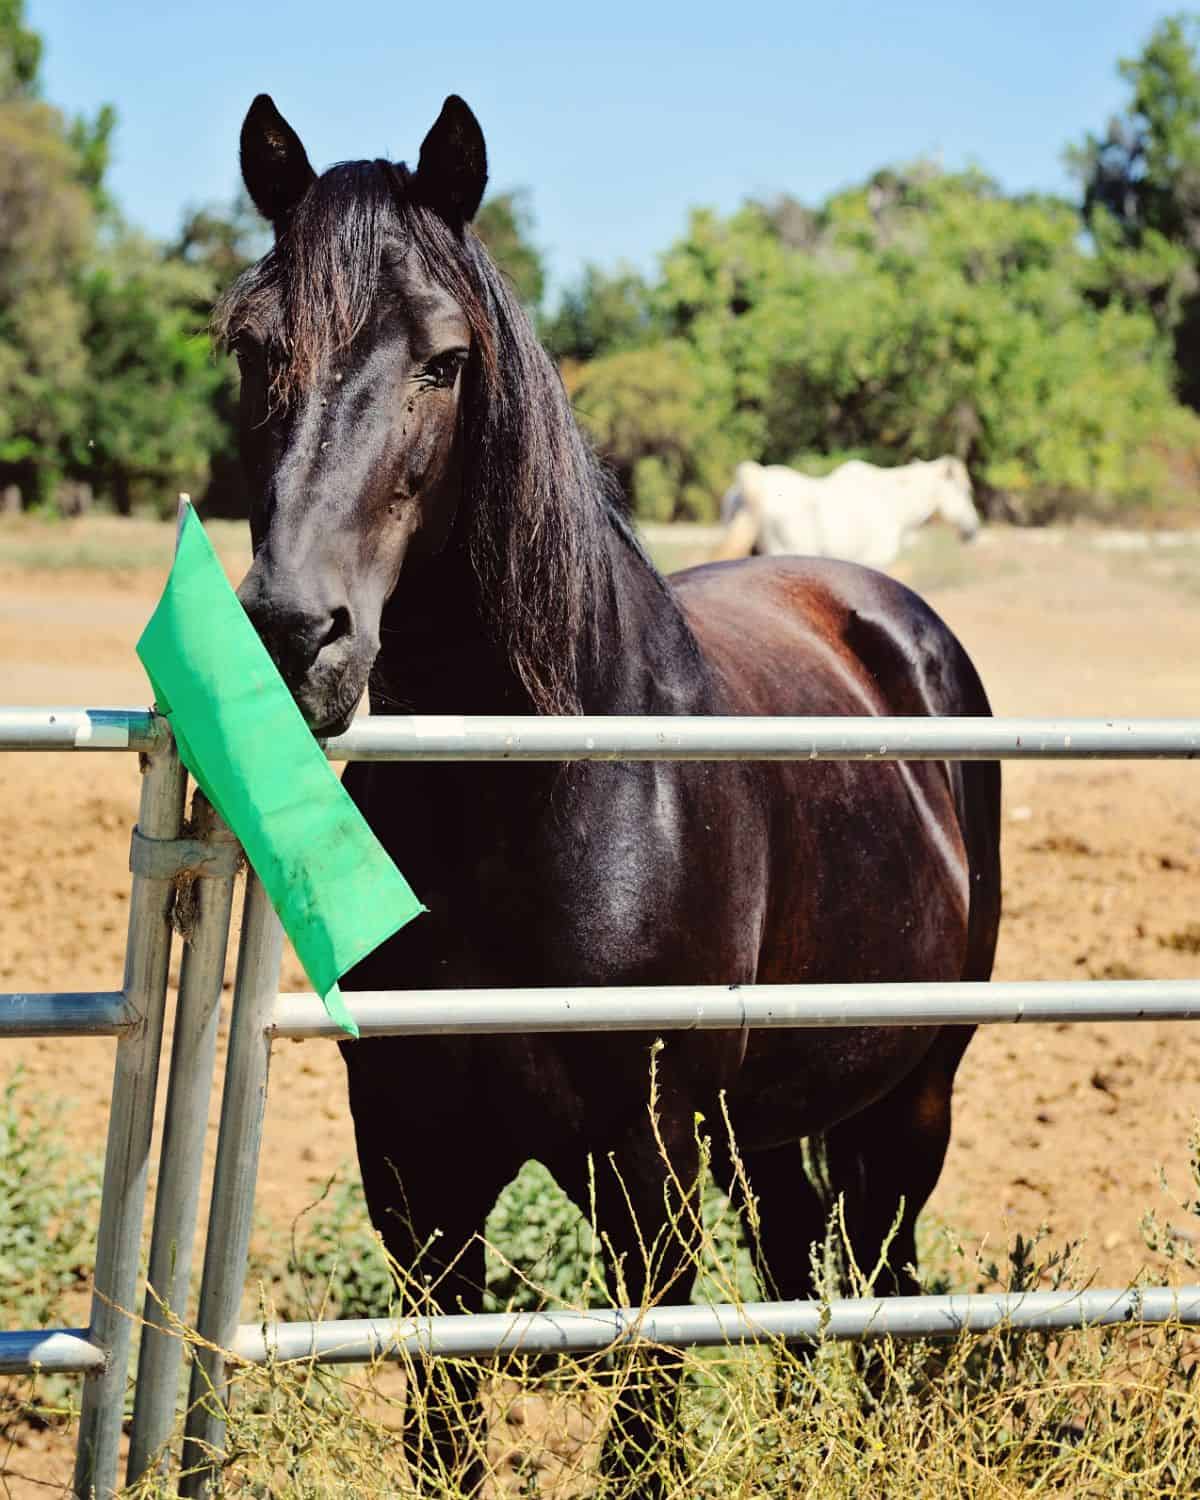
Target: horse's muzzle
[(323, 660)]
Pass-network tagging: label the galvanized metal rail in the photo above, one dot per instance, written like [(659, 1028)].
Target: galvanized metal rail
[(487, 1335), (455, 737), (189, 1094), (65, 1351), (404, 737), (734, 1007), (84, 1013), (83, 729), (231, 1215)]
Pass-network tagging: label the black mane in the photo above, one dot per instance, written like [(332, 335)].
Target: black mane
[(539, 505)]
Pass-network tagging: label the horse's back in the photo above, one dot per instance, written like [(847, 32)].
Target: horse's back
[(867, 643)]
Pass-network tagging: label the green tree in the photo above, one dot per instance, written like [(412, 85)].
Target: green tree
[(20, 52), (505, 225), (91, 140), (655, 415), (602, 313), (106, 372), (935, 314), (51, 190), (46, 228), (1145, 170), (694, 383), (223, 242), (921, 313), (1141, 186), (149, 420)]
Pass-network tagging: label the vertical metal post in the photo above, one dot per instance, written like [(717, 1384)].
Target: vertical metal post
[(193, 1055), (231, 1216), (131, 1119)]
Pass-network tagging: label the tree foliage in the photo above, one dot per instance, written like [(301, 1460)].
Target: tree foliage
[(921, 313), (917, 313), (649, 413), (107, 376), (149, 420), (221, 243), (1144, 171), (505, 225), (46, 228), (20, 52), (1141, 193), (602, 312)]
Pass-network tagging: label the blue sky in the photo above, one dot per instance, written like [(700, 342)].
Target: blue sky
[(616, 118)]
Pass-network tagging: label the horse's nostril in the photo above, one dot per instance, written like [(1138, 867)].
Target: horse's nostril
[(339, 626)]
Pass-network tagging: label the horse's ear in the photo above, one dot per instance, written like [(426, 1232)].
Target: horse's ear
[(275, 166), (452, 170)]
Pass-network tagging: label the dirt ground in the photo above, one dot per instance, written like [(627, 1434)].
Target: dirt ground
[(1062, 1126)]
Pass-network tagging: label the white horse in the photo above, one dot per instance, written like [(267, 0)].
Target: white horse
[(859, 512)]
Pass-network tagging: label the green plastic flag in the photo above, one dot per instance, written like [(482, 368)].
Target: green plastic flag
[(240, 734)]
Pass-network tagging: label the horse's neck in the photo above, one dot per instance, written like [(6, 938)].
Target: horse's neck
[(438, 655), (641, 656)]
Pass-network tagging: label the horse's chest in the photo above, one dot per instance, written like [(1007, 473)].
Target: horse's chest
[(600, 874)]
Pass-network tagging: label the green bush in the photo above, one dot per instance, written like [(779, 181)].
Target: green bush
[(49, 1201), (48, 1210)]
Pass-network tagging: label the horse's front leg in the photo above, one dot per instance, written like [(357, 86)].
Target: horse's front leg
[(430, 1176), (647, 1212)]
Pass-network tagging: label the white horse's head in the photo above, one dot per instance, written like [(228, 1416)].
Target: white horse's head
[(950, 492)]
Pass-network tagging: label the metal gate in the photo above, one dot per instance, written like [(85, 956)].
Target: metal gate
[(165, 854), (205, 860)]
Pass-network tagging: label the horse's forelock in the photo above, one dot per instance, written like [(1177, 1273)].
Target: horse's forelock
[(313, 292)]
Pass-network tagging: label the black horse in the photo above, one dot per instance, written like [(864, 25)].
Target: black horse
[(429, 521)]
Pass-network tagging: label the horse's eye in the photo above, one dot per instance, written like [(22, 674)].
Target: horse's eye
[(442, 370), (243, 347)]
